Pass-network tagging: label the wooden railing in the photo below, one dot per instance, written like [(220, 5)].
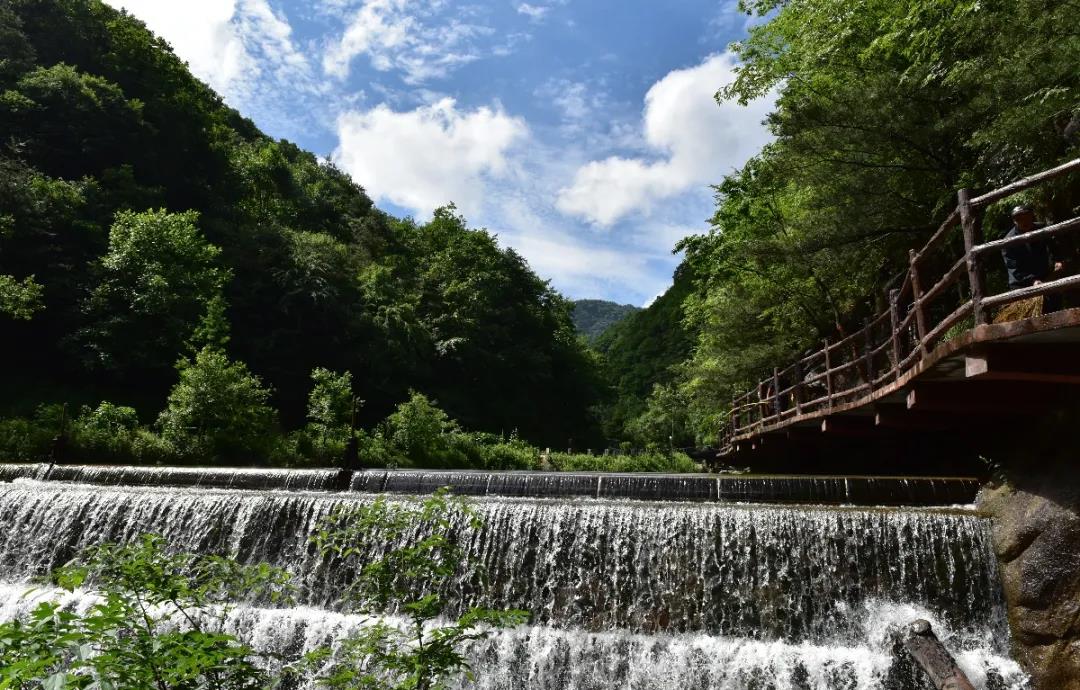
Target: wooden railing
[(921, 312)]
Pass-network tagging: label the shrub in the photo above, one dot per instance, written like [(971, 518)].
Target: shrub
[(23, 440), (424, 554), (159, 623), (218, 410), (330, 404), (421, 433), (644, 462)]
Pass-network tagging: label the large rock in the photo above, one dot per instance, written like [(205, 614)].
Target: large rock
[(1036, 518)]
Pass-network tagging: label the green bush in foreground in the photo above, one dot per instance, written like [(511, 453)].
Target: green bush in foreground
[(157, 624), (160, 616), (427, 652)]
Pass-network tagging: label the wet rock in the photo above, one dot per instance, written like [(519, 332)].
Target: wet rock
[(1036, 535)]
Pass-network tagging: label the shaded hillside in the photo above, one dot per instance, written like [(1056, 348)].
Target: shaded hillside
[(594, 316), (641, 350), (254, 245)]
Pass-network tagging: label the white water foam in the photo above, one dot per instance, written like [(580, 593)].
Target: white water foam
[(547, 658)]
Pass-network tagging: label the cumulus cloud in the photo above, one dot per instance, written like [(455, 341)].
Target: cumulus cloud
[(404, 35), (576, 264), (695, 140), (230, 44), (423, 158)]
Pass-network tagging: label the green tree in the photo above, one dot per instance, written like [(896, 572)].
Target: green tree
[(330, 404), (158, 283), (218, 410), (57, 109), (20, 299), (420, 431), (664, 424)]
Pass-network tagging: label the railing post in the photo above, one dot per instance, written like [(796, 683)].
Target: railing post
[(776, 392), (894, 320), (797, 391), (971, 222), (868, 354), (917, 305), (828, 375)]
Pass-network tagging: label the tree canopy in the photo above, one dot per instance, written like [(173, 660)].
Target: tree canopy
[(141, 219), (883, 111)]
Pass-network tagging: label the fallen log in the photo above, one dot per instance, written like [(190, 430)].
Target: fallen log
[(926, 648)]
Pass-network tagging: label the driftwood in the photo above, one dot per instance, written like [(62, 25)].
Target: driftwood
[(923, 644)]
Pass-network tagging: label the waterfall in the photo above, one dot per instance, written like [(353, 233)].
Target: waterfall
[(645, 486), (623, 593)]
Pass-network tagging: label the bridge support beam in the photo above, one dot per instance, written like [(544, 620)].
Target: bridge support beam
[(1042, 363), (857, 426), (993, 398), (900, 418)]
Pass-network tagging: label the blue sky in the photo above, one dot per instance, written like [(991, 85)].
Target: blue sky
[(581, 132)]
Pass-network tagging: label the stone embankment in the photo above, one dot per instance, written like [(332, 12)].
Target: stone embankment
[(1036, 533)]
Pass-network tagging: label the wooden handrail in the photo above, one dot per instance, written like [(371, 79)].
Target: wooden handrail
[(948, 279), (1024, 238), (1025, 183), (947, 323), (859, 350), (1047, 288)]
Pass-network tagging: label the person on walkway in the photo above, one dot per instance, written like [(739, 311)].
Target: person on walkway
[(1029, 263)]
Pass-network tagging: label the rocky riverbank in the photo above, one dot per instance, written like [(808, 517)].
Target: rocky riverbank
[(1036, 535)]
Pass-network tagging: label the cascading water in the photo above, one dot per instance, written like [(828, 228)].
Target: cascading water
[(902, 491), (624, 594)]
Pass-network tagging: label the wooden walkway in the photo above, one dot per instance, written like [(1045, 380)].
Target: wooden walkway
[(933, 360)]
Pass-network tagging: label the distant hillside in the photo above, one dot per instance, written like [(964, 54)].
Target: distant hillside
[(594, 316), (641, 351)]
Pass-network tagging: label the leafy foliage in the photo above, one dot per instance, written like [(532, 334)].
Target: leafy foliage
[(157, 624), (218, 409), (158, 278), (330, 403), (419, 429), (425, 653), (141, 220), (19, 299)]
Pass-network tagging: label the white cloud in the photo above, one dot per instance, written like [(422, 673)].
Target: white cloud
[(533, 12), (575, 100), (576, 265), (424, 158), (696, 142), (233, 45), (407, 36)]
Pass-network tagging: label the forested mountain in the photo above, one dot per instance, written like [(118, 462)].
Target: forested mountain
[(883, 111), (142, 220), (594, 316), (640, 353)]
